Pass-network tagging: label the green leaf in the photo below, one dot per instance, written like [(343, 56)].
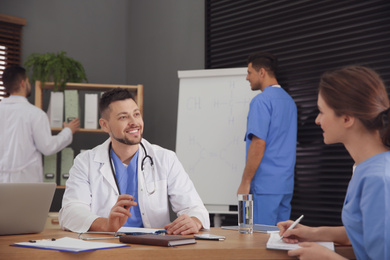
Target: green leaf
[(56, 67)]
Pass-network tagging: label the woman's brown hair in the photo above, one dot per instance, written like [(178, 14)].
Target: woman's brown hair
[(359, 92)]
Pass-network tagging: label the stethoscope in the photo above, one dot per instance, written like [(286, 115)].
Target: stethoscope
[(146, 156)]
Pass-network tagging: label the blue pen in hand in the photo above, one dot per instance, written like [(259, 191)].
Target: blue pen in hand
[(293, 224)]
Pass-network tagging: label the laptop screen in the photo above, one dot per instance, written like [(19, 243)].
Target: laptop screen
[(24, 207)]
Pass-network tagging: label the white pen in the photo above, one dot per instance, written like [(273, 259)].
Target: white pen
[(293, 224)]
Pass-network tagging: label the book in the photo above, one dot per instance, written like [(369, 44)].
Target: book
[(274, 242), (157, 240)]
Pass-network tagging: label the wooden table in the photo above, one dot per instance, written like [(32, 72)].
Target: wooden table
[(236, 246)]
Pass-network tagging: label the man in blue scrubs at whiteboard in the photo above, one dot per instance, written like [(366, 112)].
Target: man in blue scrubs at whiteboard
[(271, 138)]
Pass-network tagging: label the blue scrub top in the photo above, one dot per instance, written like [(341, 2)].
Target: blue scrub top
[(128, 184), (366, 211), (273, 117)]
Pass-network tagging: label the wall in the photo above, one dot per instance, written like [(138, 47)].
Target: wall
[(122, 42), (91, 31), (164, 37)]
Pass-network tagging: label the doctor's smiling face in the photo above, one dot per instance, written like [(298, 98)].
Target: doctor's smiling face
[(123, 122)]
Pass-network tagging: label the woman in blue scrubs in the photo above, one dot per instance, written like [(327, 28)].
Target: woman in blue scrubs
[(354, 110)]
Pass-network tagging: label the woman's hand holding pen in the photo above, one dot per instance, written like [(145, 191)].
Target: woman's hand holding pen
[(302, 233), (299, 233)]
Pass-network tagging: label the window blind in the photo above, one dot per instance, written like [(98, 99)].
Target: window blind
[(308, 37), (10, 44)]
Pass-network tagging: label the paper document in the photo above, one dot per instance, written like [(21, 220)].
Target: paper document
[(68, 244), (140, 230), (274, 242)]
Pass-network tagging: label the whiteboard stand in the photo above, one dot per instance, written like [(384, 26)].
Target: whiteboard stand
[(219, 210)]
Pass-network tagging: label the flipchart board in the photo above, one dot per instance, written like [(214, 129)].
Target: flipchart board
[(212, 113)]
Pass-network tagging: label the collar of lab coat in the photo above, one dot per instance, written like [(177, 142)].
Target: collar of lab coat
[(101, 156), (15, 99)]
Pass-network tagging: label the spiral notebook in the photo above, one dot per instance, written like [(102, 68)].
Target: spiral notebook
[(274, 242)]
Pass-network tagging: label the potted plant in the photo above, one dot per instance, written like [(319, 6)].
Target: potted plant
[(56, 67)]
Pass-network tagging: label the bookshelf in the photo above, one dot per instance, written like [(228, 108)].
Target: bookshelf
[(137, 91)]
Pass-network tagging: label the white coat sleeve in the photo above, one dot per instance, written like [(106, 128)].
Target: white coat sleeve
[(75, 214), (46, 143), (182, 193)]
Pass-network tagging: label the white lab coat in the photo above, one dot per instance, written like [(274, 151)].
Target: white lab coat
[(24, 136), (91, 190)]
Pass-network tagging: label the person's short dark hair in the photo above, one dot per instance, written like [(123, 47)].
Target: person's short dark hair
[(112, 95), (264, 60), (11, 78)]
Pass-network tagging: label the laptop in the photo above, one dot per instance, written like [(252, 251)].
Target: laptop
[(24, 207)]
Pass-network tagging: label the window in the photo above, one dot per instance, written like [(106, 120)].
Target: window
[(10, 44)]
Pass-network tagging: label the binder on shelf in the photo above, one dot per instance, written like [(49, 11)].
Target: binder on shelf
[(55, 111), (67, 156), (50, 168), (71, 105), (91, 111)]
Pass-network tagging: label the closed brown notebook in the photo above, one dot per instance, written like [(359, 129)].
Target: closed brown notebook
[(157, 240)]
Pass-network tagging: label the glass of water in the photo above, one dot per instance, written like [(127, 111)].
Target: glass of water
[(245, 213)]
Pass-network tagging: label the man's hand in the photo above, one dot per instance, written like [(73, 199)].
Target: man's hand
[(74, 125), (184, 225), (244, 188), (118, 215)]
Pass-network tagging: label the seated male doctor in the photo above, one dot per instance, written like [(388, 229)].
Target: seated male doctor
[(126, 181)]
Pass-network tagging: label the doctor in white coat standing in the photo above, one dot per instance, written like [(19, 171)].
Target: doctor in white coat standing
[(126, 181), (25, 131)]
